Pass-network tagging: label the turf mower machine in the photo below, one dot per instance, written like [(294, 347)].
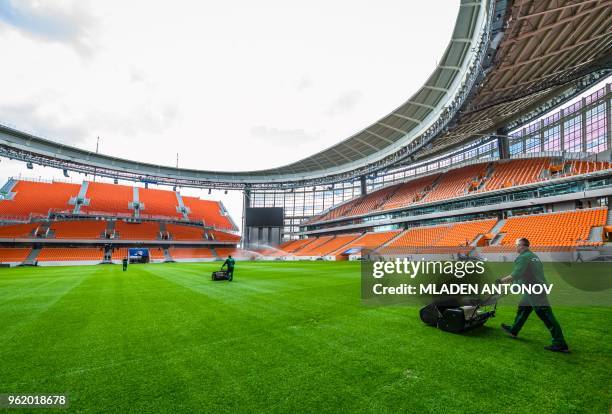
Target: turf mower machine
[(459, 315), (220, 275)]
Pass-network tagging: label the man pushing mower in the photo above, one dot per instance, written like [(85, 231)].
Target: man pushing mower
[(229, 262), (528, 269)]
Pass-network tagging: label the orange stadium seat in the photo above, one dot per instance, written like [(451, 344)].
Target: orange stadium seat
[(295, 245), (191, 252), (13, 254), (18, 230), (420, 236), (109, 198), (464, 233), (370, 240), (410, 192), (137, 231), (156, 253), (56, 254), (455, 183), (208, 211), (119, 253), (223, 252), (78, 229), (516, 172), (222, 236), (158, 202), (332, 245), (38, 198), (567, 228), (315, 244), (179, 232)]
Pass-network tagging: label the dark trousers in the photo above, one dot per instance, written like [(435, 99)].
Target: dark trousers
[(230, 273), (545, 313)]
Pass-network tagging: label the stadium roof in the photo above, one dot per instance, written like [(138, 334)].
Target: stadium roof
[(504, 58)]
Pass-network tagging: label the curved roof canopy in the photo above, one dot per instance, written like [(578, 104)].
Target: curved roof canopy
[(368, 145)]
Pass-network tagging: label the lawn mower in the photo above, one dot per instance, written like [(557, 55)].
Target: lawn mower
[(459, 315), (220, 275)]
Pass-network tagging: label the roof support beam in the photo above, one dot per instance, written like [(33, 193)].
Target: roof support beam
[(556, 9), (416, 121), (558, 23), (421, 104), (368, 144), (445, 67), (379, 136), (391, 127), (435, 88), (461, 40)]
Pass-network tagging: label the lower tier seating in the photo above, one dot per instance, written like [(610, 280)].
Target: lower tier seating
[(51, 254), (14, 254), (191, 253), (568, 228)]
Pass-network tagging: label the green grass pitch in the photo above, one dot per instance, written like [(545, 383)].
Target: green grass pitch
[(283, 337)]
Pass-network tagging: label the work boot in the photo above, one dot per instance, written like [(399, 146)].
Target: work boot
[(557, 348), (508, 330)]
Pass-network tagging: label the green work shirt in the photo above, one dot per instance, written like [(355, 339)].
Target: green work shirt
[(229, 262), (528, 269)]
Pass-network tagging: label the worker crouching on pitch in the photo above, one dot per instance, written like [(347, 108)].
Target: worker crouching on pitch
[(528, 269), (229, 262)]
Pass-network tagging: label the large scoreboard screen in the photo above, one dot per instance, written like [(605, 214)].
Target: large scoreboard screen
[(264, 217)]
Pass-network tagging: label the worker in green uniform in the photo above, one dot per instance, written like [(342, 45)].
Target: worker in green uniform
[(229, 262), (528, 269)]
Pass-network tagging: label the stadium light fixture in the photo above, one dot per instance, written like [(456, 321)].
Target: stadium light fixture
[(66, 173), (209, 190), (30, 166), (225, 192), (115, 181)]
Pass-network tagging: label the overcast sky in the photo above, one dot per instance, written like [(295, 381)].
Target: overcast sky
[(229, 85)]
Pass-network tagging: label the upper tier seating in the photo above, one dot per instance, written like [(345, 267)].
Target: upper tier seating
[(220, 236), (179, 232), (568, 228), (13, 254), (109, 198), (18, 230), (585, 167), (191, 252), (159, 202), (512, 173), (455, 183), (38, 198), (137, 231), (475, 178), (208, 211), (82, 229), (410, 192), (51, 254)]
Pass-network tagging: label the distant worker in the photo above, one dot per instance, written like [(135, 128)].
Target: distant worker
[(229, 262), (528, 270), (125, 263)]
